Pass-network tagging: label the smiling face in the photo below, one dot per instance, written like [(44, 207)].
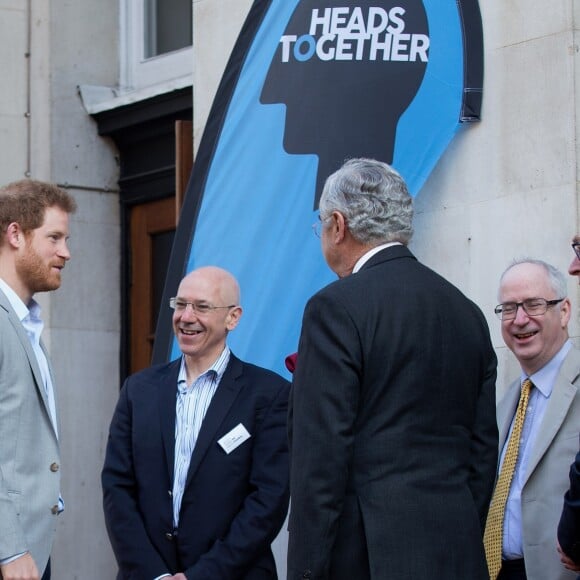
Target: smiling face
[(43, 253), (533, 340), (202, 337)]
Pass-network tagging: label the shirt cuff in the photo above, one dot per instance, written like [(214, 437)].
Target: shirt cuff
[(12, 558)]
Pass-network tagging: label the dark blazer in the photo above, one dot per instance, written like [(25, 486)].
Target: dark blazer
[(569, 527), (392, 427), (233, 505)]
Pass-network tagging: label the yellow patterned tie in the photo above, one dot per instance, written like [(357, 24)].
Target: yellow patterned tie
[(494, 526)]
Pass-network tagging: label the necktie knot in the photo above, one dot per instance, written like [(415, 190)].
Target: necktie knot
[(526, 388)]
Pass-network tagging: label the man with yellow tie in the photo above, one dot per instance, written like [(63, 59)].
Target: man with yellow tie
[(538, 422)]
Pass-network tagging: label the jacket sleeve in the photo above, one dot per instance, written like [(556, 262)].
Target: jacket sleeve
[(12, 536), (569, 526), (324, 404), (263, 512), (484, 440), (135, 553)]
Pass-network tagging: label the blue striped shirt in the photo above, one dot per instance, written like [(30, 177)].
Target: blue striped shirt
[(192, 404)]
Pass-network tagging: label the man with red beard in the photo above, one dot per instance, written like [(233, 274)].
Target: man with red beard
[(538, 422), (34, 229)]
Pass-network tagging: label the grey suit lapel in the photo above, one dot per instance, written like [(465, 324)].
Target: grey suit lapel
[(561, 398), (32, 361)]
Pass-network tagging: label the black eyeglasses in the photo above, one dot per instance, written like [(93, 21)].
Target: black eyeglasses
[(198, 307), (531, 306), (576, 248)]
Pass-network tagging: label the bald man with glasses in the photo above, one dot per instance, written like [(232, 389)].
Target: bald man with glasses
[(195, 479), (538, 421)]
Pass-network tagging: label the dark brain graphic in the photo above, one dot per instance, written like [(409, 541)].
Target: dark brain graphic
[(345, 108)]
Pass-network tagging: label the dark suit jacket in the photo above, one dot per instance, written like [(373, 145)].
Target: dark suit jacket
[(233, 505), (393, 430), (569, 527)]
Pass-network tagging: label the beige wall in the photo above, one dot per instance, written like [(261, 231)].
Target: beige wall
[(508, 186), (13, 89)]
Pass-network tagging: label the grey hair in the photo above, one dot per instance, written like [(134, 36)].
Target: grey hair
[(374, 200), (556, 278)]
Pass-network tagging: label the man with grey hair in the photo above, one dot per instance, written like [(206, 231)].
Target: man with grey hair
[(538, 422), (392, 421)]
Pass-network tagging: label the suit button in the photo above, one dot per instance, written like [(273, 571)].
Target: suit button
[(169, 536), (54, 467), (307, 574), (54, 510)]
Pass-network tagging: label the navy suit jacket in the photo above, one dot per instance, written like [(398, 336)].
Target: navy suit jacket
[(569, 527), (233, 505)]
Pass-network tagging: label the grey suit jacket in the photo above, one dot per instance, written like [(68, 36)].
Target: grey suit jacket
[(554, 450), (29, 452)]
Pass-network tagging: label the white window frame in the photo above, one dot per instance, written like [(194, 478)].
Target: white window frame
[(137, 72)]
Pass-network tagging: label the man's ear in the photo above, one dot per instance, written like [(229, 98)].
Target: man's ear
[(14, 235), (338, 227), (565, 312), (233, 317)]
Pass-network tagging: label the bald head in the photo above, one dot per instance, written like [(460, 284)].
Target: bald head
[(222, 284)]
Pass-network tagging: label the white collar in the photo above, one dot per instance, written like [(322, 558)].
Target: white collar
[(368, 255), (22, 311)]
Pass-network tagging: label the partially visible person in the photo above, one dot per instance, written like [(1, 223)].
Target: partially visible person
[(393, 432), (538, 422), (34, 229), (569, 526), (574, 268), (195, 479)]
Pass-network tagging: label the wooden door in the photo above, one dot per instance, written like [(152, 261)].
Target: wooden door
[(152, 228)]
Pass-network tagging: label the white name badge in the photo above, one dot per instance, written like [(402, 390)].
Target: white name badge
[(234, 438)]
